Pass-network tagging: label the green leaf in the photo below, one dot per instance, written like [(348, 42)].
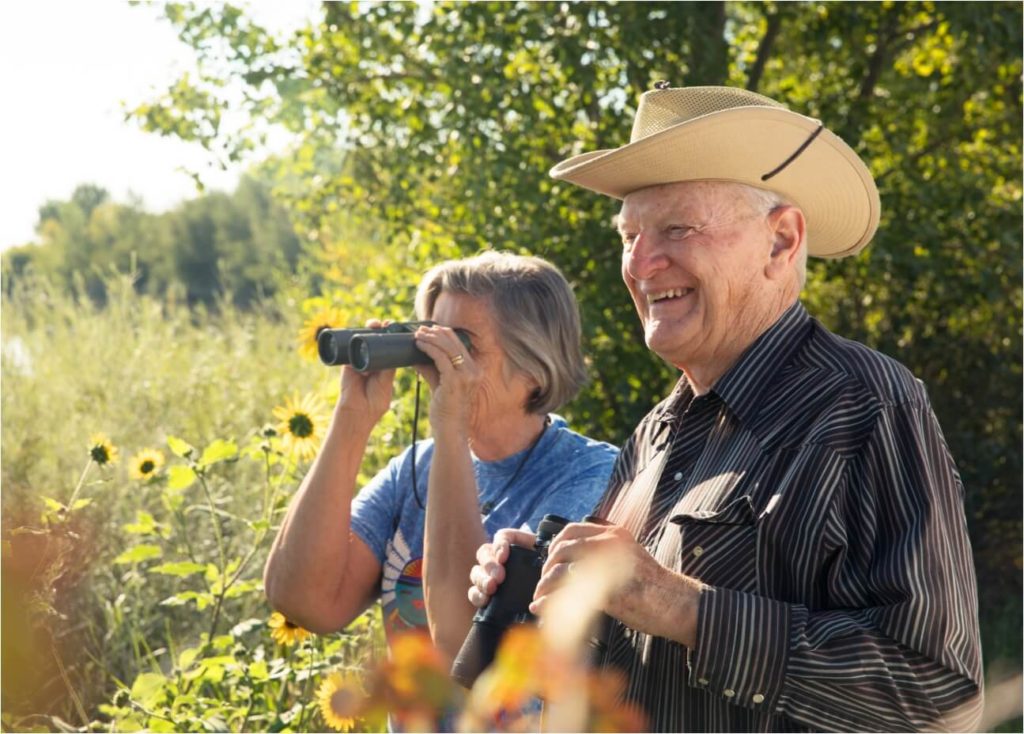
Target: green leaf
[(148, 688), (179, 447), (52, 504), (259, 526), (180, 477), (187, 656), (139, 553), (155, 723), (202, 599), (219, 450), (145, 524), (180, 568), (246, 626), (258, 671), (79, 504)]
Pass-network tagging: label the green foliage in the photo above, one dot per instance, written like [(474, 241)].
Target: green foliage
[(239, 247)]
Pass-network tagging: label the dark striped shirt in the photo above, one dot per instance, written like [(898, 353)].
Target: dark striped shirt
[(812, 491)]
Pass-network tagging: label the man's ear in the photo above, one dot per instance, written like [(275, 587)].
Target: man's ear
[(788, 231)]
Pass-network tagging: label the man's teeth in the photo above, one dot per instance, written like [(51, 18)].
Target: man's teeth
[(674, 293)]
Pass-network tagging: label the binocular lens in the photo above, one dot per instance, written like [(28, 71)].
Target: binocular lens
[(333, 344), (383, 348), (370, 352)]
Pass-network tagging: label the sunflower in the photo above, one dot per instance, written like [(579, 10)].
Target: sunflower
[(285, 632), (340, 696), (302, 424), (101, 450), (327, 318), (146, 464)]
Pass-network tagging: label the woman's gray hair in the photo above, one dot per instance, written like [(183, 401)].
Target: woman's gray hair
[(535, 313)]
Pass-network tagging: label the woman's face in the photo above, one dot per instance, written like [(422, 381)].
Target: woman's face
[(501, 392)]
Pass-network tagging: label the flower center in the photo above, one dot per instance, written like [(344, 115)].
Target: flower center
[(342, 702), (146, 466), (99, 454), (300, 425)]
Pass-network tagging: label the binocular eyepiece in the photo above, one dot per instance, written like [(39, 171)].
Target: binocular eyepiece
[(369, 349)]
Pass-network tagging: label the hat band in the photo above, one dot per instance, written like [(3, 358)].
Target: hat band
[(777, 170)]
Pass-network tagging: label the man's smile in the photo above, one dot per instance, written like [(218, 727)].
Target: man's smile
[(668, 295)]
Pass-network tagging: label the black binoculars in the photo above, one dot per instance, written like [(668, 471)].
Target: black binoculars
[(509, 605), (369, 349)]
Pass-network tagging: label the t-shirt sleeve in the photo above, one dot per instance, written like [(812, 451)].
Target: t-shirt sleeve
[(586, 478), (375, 508)]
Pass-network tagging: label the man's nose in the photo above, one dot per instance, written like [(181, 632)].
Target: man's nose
[(644, 258)]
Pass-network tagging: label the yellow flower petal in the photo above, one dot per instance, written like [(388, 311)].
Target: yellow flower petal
[(285, 632)]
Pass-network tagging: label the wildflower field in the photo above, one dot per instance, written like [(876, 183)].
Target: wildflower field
[(149, 452)]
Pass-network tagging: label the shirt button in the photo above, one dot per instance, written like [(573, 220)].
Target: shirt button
[(702, 681), (757, 698), (678, 476), (728, 693), (698, 552)]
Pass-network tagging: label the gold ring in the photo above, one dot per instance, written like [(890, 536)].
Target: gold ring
[(457, 360)]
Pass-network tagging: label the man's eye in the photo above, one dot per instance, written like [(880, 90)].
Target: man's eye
[(679, 231), (628, 238)]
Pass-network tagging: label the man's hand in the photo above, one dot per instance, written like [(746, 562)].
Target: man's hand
[(642, 594)]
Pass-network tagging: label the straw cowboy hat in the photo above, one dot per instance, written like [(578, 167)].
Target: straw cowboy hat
[(727, 134)]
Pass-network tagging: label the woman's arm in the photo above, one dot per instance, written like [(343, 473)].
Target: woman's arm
[(453, 528), (318, 573), (453, 533)]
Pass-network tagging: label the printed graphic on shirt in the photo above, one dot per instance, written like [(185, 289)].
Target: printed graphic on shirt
[(402, 588)]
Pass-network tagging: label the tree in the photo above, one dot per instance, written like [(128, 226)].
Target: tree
[(240, 245)]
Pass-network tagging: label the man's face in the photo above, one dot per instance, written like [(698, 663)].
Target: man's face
[(694, 258)]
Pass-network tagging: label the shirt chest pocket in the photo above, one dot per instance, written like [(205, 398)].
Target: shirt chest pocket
[(719, 547)]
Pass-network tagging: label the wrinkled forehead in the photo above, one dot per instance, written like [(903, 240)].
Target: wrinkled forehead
[(691, 200)]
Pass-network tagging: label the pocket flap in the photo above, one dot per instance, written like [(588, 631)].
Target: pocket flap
[(738, 512)]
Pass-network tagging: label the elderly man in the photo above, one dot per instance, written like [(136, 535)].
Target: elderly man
[(794, 520)]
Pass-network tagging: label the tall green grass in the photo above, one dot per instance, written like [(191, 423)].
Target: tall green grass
[(106, 595)]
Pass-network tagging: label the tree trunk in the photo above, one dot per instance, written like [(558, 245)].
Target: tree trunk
[(708, 62)]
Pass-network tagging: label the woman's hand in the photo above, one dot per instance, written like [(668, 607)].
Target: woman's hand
[(489, 571), (366, 396), (453, 381)]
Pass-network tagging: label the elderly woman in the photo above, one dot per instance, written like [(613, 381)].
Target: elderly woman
[(498, 458)]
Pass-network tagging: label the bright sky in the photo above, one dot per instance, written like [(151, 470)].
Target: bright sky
[(65, 69)]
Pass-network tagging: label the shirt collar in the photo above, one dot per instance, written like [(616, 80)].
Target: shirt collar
[(744, 384)]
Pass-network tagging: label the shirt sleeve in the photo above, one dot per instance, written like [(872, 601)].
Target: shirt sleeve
[(375, 509), (899, 647)]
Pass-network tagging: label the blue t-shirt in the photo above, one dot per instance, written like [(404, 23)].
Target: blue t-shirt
[(565, 474)]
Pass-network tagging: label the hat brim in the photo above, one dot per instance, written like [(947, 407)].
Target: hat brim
[(828, 180)]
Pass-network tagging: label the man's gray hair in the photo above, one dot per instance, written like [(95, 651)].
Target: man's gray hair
[(535, 313)]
